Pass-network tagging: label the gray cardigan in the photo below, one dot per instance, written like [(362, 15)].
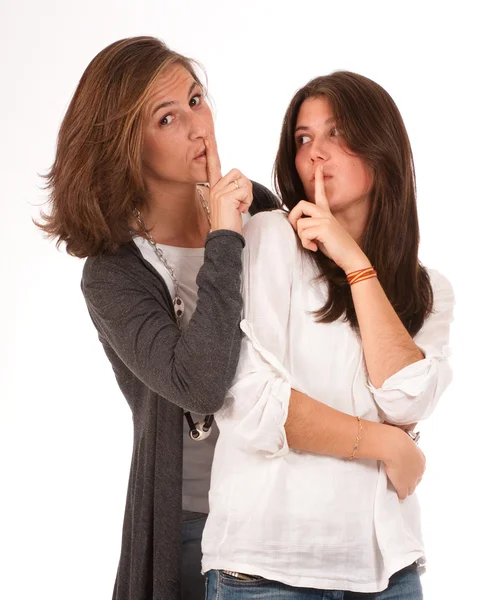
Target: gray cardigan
[(161, 372)]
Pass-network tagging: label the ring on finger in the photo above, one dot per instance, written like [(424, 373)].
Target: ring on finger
[(236, 184)]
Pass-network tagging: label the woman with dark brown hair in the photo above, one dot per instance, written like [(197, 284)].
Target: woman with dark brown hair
[(161, 283), (345, 348)]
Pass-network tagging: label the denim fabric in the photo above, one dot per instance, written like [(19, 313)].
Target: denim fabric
[(403, 585), (193, 582)]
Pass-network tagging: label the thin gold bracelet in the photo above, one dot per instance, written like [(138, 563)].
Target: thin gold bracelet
[(357, 439)]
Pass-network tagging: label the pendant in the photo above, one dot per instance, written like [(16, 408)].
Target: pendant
[(179, 307)]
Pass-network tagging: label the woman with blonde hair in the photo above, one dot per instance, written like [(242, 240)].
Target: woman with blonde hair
[(312, 492), (161, 283)]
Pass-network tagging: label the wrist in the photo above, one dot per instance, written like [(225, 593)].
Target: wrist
[(356, 263), (378, 442), (393, 439), (231, 227), (229, 220)]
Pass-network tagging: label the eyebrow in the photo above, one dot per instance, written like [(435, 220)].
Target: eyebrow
[(172, 102), (306, 128)]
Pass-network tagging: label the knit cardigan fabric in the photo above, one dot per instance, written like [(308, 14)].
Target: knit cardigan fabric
[(162, 371)]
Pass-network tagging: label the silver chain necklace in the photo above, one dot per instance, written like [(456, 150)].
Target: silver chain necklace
[(178, 303)]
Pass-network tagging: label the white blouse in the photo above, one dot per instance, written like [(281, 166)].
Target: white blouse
[(299, 518)]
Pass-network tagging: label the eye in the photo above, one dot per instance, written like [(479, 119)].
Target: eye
[(302, 139), (167, 119), (334, 132), (195, 100)]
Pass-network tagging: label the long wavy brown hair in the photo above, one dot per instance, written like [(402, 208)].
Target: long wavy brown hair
[(373, 129), (96, 178)]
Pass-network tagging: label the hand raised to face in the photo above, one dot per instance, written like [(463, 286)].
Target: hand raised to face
[(230, 195), (318, 229)]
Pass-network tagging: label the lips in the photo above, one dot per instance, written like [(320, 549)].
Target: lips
[(326, 174), (200, 155), (325, 178)]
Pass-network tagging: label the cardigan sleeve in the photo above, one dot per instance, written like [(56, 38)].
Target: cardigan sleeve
[(193, 369), (263, 199), (411, 394)]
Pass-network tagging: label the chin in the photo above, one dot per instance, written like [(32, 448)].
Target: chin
[(199, 175), (335, 205)]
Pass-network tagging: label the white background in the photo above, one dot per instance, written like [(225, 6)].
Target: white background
[(65, 429)]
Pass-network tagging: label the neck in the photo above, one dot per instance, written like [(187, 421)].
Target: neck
[(175, 216), (354, 219)]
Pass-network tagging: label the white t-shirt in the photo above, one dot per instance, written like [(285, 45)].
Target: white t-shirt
[(304, 519)]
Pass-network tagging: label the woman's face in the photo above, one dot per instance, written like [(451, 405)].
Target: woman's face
[(177, 120), (348, 180)]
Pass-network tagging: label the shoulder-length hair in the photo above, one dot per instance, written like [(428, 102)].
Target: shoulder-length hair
[(373, 129), (96, 178)]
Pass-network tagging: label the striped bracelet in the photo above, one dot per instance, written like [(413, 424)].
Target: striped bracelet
[(361, 275)]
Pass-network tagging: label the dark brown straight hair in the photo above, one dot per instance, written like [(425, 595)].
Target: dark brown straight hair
[(373, 129), (96, 178)]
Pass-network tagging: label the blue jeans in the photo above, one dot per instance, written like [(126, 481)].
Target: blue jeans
[(193, 582), (403, 585)]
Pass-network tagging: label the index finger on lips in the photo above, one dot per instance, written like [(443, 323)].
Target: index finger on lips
[(213, 162), (320, 195)]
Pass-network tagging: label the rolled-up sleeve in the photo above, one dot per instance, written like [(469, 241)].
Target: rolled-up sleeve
[(256, 405), (411, 394)]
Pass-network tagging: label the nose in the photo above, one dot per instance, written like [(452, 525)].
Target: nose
[(320, 150), (200, 126)]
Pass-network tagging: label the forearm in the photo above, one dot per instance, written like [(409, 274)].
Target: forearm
[(387, 345), (312, 426), (132, 311)]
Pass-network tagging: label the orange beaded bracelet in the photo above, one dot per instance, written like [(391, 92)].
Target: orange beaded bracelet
[(361, 275)]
